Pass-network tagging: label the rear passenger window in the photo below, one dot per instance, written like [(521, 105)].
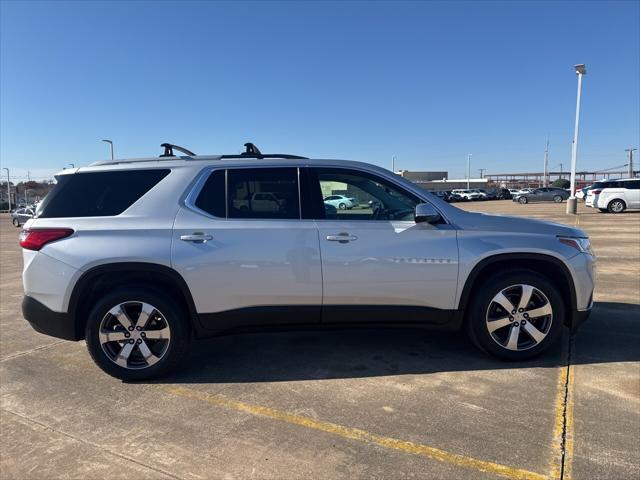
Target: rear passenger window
[(632, 184), (98, 194), (211, 197), (263, 193)]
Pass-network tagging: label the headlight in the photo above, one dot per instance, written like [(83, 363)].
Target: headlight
[(579, 243)]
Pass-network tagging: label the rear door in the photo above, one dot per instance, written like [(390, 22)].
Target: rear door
[(376, 259), (245, 262), (632, 192)]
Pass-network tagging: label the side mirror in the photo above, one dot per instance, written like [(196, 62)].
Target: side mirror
[(426, 213)]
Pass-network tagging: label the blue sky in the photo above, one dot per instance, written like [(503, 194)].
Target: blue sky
[(426, 81)]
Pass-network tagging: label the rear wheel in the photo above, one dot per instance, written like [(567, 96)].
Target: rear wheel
[(557, 199), (523, 200), (616, 206), (136, 334), (516, 316)]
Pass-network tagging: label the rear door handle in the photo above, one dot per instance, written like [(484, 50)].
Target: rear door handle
[(342, 238), (196, 237)]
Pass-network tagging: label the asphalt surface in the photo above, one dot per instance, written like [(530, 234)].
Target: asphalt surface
[(338, 404)]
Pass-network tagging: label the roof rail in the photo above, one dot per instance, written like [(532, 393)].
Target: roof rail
[(251, 151), (168, 150)]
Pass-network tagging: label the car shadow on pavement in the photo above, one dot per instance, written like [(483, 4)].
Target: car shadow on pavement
[(610, 335)]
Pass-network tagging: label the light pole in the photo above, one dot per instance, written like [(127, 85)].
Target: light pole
[(8, 188), (468, 169), (393, 164), (111, 147), (545, 182), (572, 203), (631, 150)]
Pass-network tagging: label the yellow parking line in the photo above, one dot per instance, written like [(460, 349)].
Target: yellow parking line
[(355, 434), (563, 424)]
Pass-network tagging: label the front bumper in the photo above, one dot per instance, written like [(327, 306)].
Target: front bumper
[(45, 320)]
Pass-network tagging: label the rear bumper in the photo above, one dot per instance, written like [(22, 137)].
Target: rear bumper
[(45, 320)]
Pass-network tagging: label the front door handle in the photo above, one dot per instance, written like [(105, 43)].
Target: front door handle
[(196, 237), (342, 238)]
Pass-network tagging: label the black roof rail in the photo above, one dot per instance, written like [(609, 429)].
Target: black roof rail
[(168, 150), (251, 151)]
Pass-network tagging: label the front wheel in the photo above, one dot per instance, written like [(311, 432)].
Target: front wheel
[(516, 316), (616, 206), (557, 199), (523, 200), (342, 206), (135, 333), (16, 222)]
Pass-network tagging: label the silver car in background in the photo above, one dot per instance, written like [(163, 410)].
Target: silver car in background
[(551, 194)]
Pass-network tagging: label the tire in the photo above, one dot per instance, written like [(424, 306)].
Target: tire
[(557, 199), (484, 309), (16, 222), (342, 206), (523, 200), (163, 353), (616, 206)]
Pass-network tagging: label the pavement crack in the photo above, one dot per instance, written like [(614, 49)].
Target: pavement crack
[(102, 448), (33, 350), (565, 413)]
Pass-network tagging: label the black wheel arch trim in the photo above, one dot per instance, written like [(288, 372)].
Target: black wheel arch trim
[(465, 296), (90, 275)]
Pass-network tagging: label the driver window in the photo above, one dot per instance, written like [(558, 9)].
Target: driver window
[(352, 195)]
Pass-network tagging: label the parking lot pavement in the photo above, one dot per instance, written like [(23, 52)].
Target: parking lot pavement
[(338, 404)]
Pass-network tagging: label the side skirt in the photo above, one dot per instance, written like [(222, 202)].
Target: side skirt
[(302, 317)]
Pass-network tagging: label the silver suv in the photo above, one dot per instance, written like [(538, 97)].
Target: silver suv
[(138, 257)]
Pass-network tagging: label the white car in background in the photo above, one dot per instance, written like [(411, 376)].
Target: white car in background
[(340, 202), (468, 194), (615, 196)]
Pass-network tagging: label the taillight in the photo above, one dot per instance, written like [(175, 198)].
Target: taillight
[(596, 192), (36, 238)]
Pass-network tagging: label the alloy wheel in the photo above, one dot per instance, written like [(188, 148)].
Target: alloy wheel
[(557, 199), (519, 317), (134, 335), (617, 206)]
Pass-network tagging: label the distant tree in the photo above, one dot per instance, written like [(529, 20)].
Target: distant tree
[(561, 183)]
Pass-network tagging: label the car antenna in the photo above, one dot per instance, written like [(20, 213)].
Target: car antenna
[(252, 151), (168, 150)]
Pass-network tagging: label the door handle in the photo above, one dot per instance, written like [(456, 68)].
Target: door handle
[(342, 238), (196, 237)]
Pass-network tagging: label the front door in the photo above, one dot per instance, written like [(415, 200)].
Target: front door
[(248, 261), (377, 263)]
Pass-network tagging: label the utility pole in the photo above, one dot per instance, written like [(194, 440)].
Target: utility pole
[(630, 151), (481, 172), (560, 169), (572, 202), (8, 188), (545, 182), (393, 164), (468, 169)]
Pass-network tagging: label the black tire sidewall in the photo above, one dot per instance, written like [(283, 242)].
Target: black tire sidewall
[(476, 321), (176, 318)]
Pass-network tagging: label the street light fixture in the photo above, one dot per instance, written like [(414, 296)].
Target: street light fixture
[(111, 147), (8, 188), (572, 202)]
